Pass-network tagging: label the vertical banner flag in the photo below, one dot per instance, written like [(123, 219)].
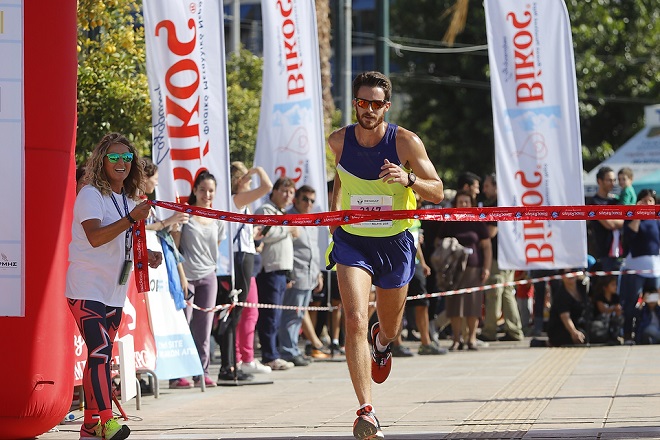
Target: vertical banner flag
[(187, 85), (290, 141), (537, 134), (188, 88), (12, 167)]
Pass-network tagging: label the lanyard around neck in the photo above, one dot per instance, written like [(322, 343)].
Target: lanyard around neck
[(128, 243)]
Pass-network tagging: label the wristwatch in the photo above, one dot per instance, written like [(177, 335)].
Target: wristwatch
[(411, 179)]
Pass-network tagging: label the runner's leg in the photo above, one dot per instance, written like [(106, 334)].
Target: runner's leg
[(354, 286)]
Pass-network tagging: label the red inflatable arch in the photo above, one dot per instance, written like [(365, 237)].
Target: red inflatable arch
[(37, 350)]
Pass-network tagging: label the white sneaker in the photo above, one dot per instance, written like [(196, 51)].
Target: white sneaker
[(280, 364), (255, 367)]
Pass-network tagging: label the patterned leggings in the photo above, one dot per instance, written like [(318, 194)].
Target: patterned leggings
[(98, 326)]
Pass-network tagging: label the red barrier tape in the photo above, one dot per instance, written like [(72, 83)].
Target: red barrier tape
[(230, 307), (485, 214)]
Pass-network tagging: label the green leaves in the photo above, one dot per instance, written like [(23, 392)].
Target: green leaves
[(243, 102), (112, 82), (113, 92), (617, 67)]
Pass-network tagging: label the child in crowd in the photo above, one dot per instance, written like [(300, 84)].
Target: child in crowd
[(608, 313), (648, 321), (628, 196)]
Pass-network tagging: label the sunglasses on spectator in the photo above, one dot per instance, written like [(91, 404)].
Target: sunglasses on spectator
[(375, 104), (114, 157), (307, 199)]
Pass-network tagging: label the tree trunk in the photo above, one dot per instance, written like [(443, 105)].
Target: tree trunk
[(325, 52)]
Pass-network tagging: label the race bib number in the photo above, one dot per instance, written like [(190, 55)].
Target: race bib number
[(375, 204)]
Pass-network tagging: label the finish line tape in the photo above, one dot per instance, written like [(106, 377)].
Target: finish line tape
[(485, 214)]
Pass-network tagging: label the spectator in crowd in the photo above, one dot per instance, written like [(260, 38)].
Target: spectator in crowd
[(176, 277), (378, 164), (314, 347), (80, 181), (244, 251), (607, 319), (474, 237), (306, 276), (566, 323), (524, 299), (642, 238), (436, 306), (245, 360), (606, 241), (542, 291), (198, 242), (177, 282), (153, 223), (277, 262), (417, 286), (500, 301), (470, 182), (648, 321), (627, 195), (320, 298), (104, 213), (319, 320)]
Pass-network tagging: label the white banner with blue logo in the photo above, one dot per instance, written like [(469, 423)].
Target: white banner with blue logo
[(290, 141), (538, 148), (176, 354), (12, 167)]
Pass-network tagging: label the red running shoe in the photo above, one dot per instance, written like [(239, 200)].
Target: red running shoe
[(381, 362), (366, 426)]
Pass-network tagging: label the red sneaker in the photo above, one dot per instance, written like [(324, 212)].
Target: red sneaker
[(366, 426), (207, 381), (90, 432), (381, 362)]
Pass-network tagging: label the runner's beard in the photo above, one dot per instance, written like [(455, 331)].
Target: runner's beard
[(369, 124)]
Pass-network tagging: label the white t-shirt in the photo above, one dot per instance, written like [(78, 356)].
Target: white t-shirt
[(199, 246), (93, 273), (245, 241)]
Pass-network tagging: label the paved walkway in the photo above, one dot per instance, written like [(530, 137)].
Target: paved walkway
[(505, 391)]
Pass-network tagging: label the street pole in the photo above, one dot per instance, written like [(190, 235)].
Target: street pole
[(236, 26), (346, 63), (382, 35)]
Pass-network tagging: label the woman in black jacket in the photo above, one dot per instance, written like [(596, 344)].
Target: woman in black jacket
[(642, 237)]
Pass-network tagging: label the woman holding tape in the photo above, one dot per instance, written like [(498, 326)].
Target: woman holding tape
[(99, 265), (198, 242)]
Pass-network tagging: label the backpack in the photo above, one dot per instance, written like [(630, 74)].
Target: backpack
[(449, 260)]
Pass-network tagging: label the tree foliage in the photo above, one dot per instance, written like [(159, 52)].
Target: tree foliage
[(618, 70), (244, 71), (449, 96), (618, 73), (113, 93), (112, 83)]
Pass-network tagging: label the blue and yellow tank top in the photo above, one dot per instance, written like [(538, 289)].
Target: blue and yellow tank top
[(362, 189)]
